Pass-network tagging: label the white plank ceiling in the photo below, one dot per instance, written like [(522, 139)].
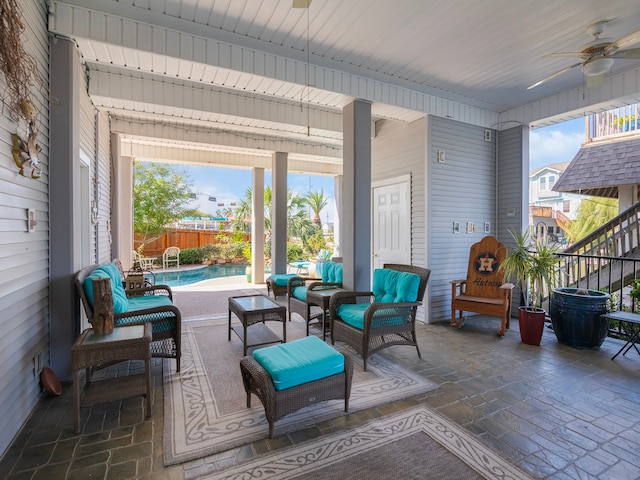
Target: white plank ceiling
[(259, 75)]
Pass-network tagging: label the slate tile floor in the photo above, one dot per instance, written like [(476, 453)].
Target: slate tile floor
[(556, 411)]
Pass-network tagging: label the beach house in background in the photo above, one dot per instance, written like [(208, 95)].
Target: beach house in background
[(550, 212), (608, 163)]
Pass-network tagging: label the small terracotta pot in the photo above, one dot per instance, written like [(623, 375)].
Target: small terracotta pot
[(531, 321)]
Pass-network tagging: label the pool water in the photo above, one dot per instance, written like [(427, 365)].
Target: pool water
[(197, 274)]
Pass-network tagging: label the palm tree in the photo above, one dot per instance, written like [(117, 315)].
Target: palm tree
[(317, 201), (297, 222)]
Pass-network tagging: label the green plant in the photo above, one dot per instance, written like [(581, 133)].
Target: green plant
[(294, 251), (635, 291), (246, 251), (535, 271), (315, 242)]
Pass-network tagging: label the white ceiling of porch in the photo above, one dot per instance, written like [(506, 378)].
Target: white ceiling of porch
[(255, 74)]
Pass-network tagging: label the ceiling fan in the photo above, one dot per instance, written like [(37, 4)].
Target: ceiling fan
[(597, 56)]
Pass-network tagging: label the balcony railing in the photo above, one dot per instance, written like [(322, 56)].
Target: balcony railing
[(614, 123)]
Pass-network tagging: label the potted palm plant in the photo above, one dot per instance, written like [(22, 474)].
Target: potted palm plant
[(535, 271)]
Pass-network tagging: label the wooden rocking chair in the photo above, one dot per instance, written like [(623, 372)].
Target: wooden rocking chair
[(484, 290)]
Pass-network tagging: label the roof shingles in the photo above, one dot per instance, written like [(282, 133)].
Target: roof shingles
[(598, 169)]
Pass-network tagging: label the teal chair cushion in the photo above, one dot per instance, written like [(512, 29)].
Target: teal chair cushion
[(332, 272), (300, 293), (300, 361), (281, 279), (110, 271), (148, 301), (391, 286), (353, 314)]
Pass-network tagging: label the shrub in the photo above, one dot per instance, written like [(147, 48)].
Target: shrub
[(315, 242), (294, 251), (189, 256)]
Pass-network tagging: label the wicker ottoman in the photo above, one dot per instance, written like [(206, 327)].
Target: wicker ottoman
[(280, 403)]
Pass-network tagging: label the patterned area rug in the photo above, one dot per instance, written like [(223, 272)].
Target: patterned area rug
[(205, 404), (414, 444)]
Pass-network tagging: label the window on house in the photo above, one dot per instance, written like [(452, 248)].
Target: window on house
[(543, 183), (566, 206), (552, 181)]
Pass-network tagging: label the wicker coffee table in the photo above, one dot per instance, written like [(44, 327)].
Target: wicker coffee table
[(253, 311), (124, 343)]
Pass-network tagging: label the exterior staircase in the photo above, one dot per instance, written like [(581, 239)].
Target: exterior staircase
[(562, 220), (608, 258)]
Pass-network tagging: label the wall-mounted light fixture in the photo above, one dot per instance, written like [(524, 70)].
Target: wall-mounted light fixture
[(31, 220)]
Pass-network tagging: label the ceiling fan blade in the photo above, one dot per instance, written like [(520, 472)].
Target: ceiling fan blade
[(627, 40), (629, 54), (594, 80), (301, 3), (553, 76)]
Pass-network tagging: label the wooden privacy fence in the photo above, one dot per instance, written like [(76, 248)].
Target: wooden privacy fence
[(183, 239)]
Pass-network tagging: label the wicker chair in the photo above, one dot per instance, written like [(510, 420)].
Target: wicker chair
[(383, 323), (164, 317)]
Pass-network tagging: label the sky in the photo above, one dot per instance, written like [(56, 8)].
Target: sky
[(556, 143), (230, 185), (548, 145)]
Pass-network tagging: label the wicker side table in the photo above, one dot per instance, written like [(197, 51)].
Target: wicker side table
[(124, 343)]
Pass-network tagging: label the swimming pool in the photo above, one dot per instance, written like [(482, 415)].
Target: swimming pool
[(197, 274)]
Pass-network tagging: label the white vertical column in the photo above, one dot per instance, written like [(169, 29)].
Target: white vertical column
[(122, 213), (337, 215), (356, 194), (257, 226), (279, 213)]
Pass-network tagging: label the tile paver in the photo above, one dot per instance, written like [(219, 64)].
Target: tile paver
[(557, 412)]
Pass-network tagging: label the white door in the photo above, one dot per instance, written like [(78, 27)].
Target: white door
[(391, 222)]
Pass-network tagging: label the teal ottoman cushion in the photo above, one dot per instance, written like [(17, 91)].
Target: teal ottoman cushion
[(301, 361), (281, 279)]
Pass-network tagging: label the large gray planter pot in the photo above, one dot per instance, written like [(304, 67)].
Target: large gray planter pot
[(576, 317)]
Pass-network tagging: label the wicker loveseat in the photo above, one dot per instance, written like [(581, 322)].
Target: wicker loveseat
[(386, 316), (298, 287), (153, 304)]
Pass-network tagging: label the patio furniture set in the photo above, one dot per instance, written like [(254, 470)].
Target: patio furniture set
[(290, 376), (170, 257), (285, 377)]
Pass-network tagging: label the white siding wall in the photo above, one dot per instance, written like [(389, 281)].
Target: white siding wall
[(513, 181), (103, 193), (88, 154), (94, 142), (24, 257), (462, 189), (400, 149)]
